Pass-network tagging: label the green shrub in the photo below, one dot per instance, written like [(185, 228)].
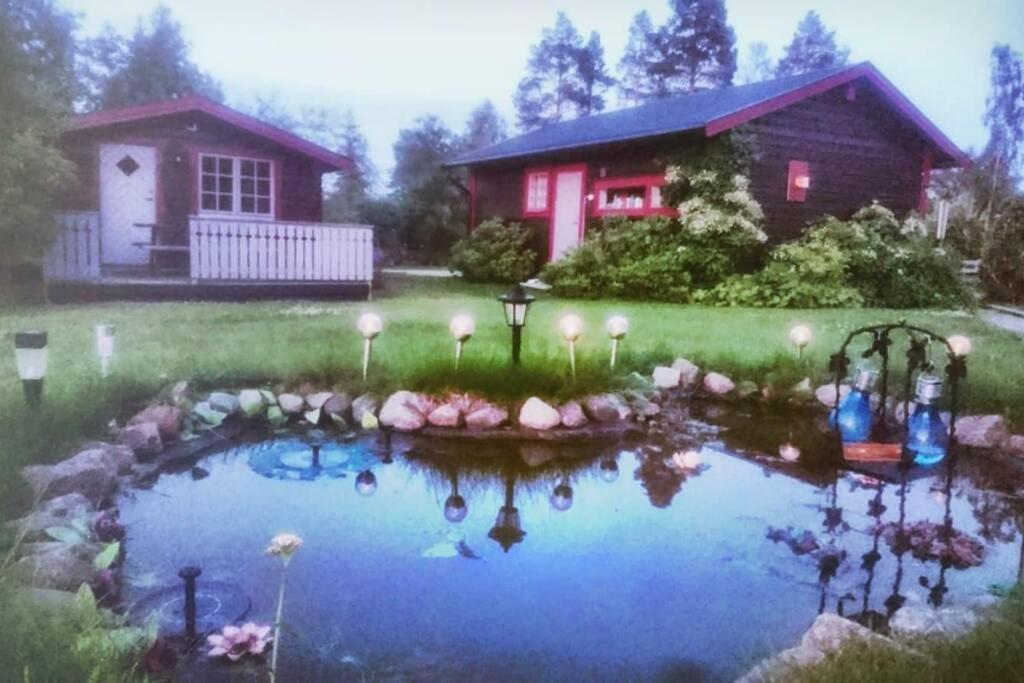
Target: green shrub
[(495, 252), (1002, 255)]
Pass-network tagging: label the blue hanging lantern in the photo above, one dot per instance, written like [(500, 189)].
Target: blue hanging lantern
[(854, 417), (927, 434)]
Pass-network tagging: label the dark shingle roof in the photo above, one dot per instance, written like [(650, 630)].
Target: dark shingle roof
[(661, 117)]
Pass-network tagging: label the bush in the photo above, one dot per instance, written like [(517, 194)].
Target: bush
[(495, 252), (1003, 254)]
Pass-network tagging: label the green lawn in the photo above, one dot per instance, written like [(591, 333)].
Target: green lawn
[(214, 344)]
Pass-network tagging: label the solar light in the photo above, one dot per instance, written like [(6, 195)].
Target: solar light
[(455, 509), (516, 302), (960, 345), (105, 347), (571, 325), (366, 483), (789, 452), (462, 328), (802, 181), (561, 497), (30, 357), (369, 325), (609, 470), (617, 327), (800, 335), (508, 527)]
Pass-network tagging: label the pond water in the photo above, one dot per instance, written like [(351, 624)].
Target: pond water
[(626, 568)]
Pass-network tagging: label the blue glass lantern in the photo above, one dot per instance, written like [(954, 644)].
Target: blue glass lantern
[(854, 417), (927, 434)]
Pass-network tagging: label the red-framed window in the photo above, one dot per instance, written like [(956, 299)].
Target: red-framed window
[(630, 196), (799, 181), (537, 192)]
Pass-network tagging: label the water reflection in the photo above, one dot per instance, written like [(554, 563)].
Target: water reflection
[(508, 528)]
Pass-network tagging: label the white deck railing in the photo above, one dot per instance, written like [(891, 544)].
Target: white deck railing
[(75, 253), (225, 249)]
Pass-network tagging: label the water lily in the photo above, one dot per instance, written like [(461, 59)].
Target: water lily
[(235, 642), (284, 546)]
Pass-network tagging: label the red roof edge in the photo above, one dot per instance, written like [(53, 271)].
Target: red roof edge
[(109, 117), (864, 69)]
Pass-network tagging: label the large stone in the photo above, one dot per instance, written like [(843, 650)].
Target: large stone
[(291, 404), (925, 620), (826, 394), (57, 565), (536, 454), (718, 384), (400, 411), (168, 419), (144, 439), (602, 407), (486, 416), (366, 403), (338, 405), (689, 373), (572, 414), (59, 511), (982, 431), (92, 473), (445, 415), (536, 414), (251, 402), (316, 400), (666, 378), (1015, 445), (223, 402)]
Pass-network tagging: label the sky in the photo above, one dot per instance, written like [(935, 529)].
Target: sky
[(392, 61)]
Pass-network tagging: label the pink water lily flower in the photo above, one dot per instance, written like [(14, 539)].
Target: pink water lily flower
[(235, 642)]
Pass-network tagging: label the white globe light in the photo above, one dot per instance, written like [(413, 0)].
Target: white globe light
[(960, 344), (687, 460), (789, 452), (617, 326), (462, 327), (369, 325), (800, 335), (570, 325)]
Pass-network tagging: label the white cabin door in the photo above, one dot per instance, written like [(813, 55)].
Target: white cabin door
[(127, 203), (567, 217)]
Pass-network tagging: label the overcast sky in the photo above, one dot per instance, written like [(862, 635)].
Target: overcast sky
[(392, 61)]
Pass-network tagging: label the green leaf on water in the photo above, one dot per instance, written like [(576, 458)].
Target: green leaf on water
[(107, 556), (65, 534)]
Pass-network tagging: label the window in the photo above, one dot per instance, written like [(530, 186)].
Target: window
[(635, 196), (235, 185), (535, 200)]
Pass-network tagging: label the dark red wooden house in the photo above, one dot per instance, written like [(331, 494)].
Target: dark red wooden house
[(190, 193), (828, 142)]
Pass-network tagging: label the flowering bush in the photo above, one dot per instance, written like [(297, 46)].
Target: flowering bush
[(495, 252)]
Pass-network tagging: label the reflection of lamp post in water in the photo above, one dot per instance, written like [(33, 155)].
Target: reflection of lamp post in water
[(366, 483), (869, 618), (831, 558), (507, 529), (455, 509), (895, 601), (561, 497), (609, 470)]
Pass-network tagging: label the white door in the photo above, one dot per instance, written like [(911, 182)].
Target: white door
[(566, 219), (127, 203)]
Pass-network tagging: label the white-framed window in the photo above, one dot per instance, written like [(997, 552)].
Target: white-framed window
[(536, 192), (235, 185)]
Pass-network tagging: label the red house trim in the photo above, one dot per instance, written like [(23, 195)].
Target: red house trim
[(546, 211), (649, 182), (109, 117), (553, 198), (797, 169)]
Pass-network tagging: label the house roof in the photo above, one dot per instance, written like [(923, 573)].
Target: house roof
[(714, 111), (195, 103)]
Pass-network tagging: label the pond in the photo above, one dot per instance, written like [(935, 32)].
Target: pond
[(616, 565)]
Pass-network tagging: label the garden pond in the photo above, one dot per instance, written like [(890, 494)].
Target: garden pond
[(528, 561)]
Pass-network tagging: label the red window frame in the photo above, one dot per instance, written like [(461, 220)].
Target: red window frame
[(797, 169), (648, 182), (527, 175)]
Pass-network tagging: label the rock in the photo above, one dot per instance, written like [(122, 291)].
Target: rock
[(59, 511), (316, 400), (665, 378), (251, 402), (446, 415), (223, 402), (367, 403), (536, 414), (486, 416), (826, 394), (92, 473), (802, 389), (168, 419), (338, 405), (572, 415), (602, 407), (144, 439), (205, 412), (645, 408), (400, 412), (535, 455), (688, 372), (718, 384), (291, 404), (747, 388), (1015, 445), (57, 565), (925, 620), (982, 431)]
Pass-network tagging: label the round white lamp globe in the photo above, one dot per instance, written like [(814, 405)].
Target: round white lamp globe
[(369, 325), (570, 325), (462, 327), (617, 326), (960, 345), (800, 335)]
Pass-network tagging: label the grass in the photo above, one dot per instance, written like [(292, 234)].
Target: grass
[(275, 343)]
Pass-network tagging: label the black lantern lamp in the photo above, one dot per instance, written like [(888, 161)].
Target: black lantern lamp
[(508, 529), (30, 357), (516, 302)]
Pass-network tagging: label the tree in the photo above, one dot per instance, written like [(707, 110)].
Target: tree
[(484, 127), (552, 84), (639, 79), (153, 64), (36, 77), (347, 199), (813, 47), (1004, 116), (757, 66), (594, 78)]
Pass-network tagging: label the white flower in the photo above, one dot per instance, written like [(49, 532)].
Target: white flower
[(284, 546)]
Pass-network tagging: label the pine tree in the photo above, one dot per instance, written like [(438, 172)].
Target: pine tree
[(484, 127), (552, 83), (757, 66), (594, 78), (1004, 116), (640, 79), (346, 199), (813, 47)]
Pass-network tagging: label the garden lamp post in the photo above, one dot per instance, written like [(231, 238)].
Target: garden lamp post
[(507, 529), (800, 335), (516, 302), (105, 347), (30, 357), (571, 325), (462, 328), (369, 325), (617, 327)]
